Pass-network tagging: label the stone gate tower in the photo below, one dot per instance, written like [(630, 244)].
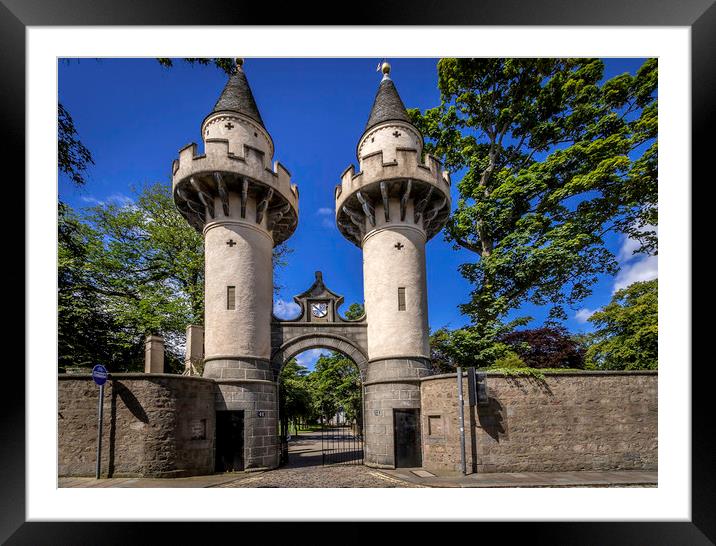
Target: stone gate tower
[(390, 209), (244, 205)]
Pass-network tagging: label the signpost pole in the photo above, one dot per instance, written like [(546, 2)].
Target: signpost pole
[(100, 412), (461, 404), (99, 375)]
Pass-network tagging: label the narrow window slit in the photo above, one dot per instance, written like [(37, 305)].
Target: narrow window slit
[(401, 299), (231, 297)]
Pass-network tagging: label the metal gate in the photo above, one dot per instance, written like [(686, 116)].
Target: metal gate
[(342, 443)]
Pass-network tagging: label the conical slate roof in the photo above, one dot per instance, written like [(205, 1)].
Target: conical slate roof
[(387, 105), (237, 97)]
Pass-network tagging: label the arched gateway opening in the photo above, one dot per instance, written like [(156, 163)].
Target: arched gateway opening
[(320, 401), (331, 431)]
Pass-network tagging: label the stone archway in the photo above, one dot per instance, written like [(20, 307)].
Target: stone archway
[(326, 440), (319, 324), (320, 340)]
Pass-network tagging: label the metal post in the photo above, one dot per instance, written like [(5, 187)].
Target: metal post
[(100, 412), (461, 420)]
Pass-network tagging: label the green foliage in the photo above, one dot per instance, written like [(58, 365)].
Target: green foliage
[(225, 64), (336, 384), (518, 372), (295, 392), (355, 311), (141, 266), (479, 345), (333, 385), (73, 157), (627, 330), (510, 360), (84, 327), (553, 160)]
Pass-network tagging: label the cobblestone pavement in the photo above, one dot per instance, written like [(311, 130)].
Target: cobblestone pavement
[(305, 469), (319, 476)]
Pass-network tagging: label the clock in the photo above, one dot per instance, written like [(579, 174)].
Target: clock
[(319, 310)]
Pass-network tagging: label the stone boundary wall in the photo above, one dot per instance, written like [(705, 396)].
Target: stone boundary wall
[(155, 425), (566, 422)]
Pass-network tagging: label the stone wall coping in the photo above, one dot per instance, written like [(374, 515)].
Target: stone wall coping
[(586, 373), (149, 376), (134, 375)]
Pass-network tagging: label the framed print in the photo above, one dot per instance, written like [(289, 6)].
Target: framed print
[(36, 34)]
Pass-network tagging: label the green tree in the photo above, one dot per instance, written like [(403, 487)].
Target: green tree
[(336, 384), (553, 159), (627, 335), (139, 267), (84, 328), (295, 392), (355, 311), (73, 157), (469, 346), (225, 64)]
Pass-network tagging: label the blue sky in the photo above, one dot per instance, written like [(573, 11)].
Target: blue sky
[(134, 115)]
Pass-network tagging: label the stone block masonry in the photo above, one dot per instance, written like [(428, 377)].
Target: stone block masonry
[(155, 425), (259, 401), (566, 422)]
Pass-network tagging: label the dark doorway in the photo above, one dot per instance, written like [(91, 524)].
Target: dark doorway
[(406, 432), (229, 441)]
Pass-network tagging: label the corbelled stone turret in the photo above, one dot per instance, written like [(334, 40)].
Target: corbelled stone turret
[(391, 174), (236, 165), (244, 205), (391, 208)]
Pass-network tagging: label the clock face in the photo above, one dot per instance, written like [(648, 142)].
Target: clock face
[(319, 310)]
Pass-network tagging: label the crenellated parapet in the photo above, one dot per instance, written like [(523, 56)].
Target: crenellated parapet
[(203, 183), (421, 189)]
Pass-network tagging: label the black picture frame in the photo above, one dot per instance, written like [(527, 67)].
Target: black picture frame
[(16, 15)]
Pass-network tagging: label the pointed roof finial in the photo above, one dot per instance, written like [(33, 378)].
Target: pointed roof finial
[(239, 62), (387, 104), (385, 67)]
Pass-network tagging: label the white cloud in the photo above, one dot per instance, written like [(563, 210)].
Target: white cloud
[(629, 245), (626, 252), (583, 314), (644, 269), (635, 267), (120, 199), (116, 198), (92, 200), (285, 309), (309, 358), (326, 215)]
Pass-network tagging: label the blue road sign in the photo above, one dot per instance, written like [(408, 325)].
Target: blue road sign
[(99, 374)]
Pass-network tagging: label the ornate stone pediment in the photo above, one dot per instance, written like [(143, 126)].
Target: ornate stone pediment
[(318, 303)]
